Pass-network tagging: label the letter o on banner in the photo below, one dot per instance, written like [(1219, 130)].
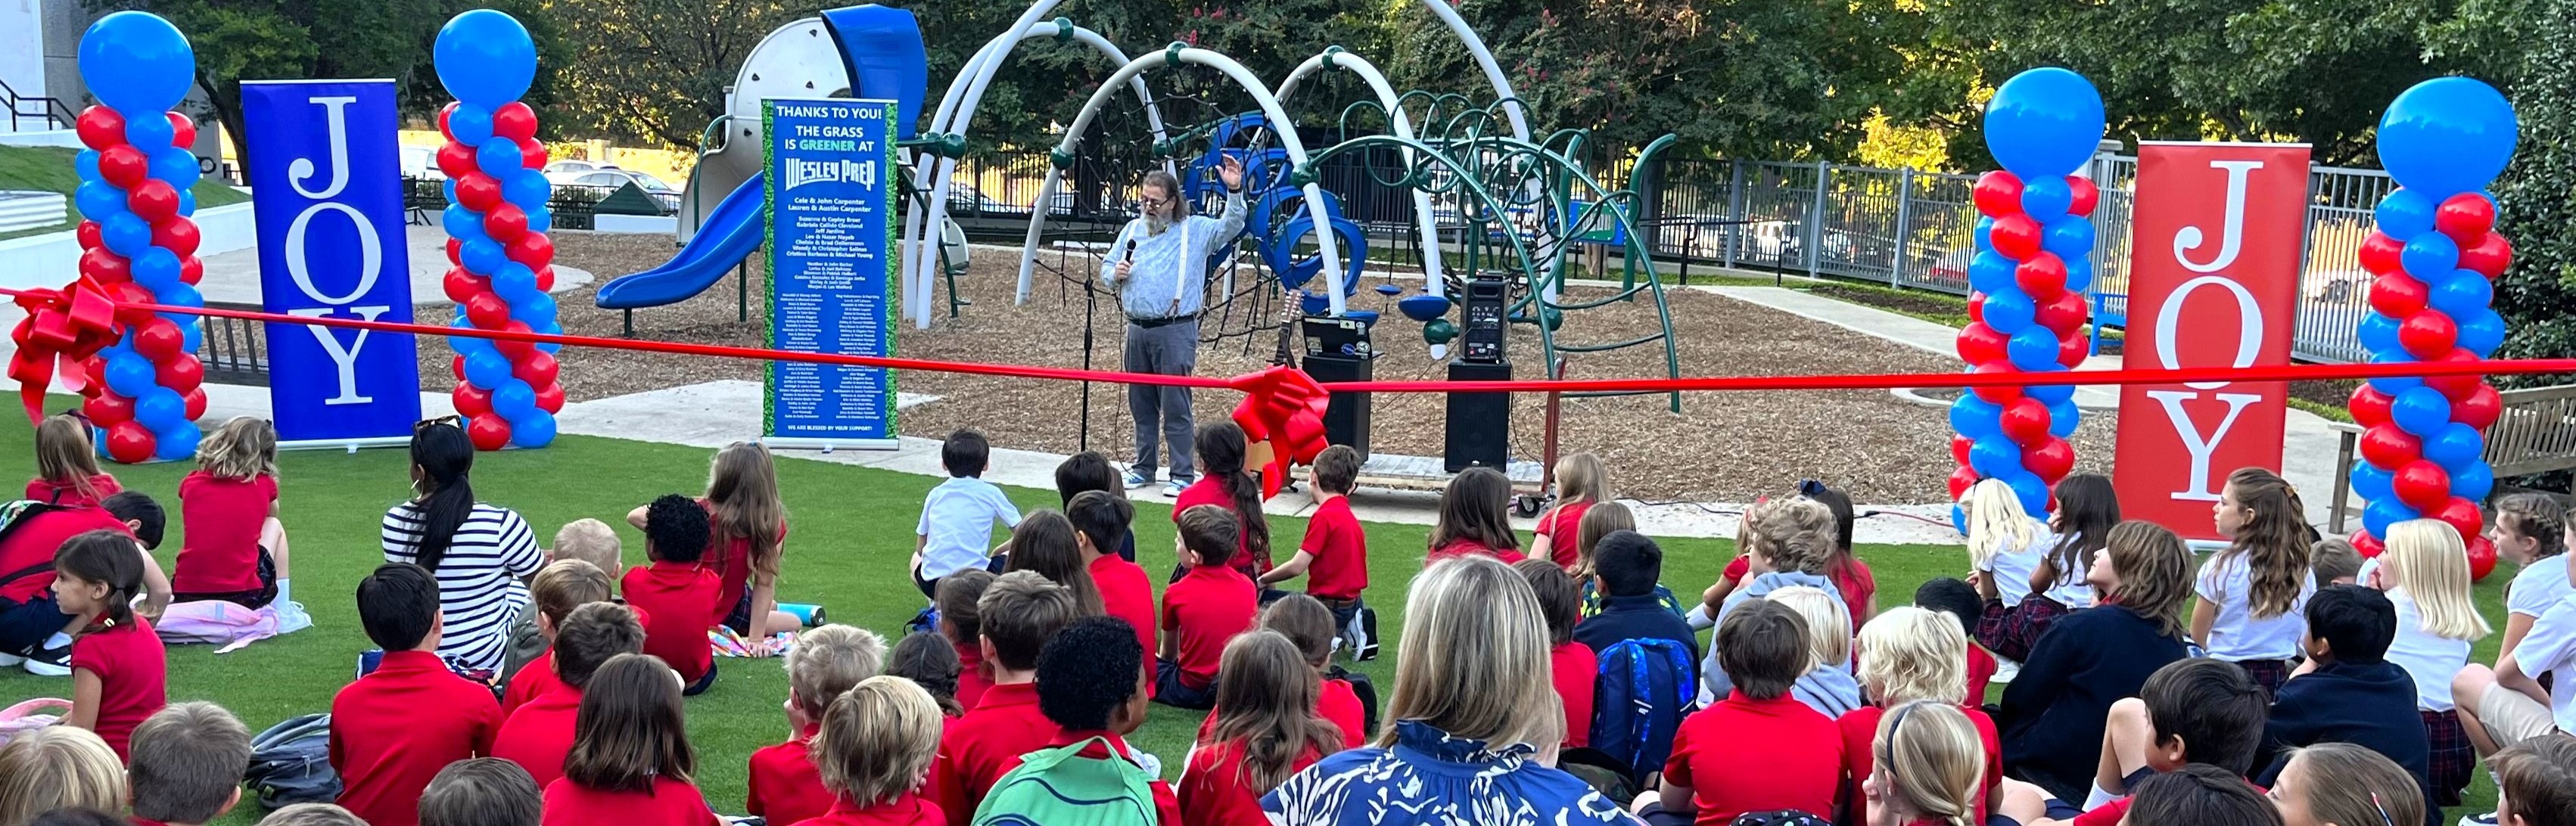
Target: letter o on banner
[(371, 254), (2249, 331)]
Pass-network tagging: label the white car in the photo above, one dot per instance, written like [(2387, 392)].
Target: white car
[(571, 166), (612, 178)]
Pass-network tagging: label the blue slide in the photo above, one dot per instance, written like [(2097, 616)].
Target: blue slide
[(725, 238)]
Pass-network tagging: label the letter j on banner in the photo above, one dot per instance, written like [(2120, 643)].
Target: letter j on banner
[(331, 245), (2214, 281)]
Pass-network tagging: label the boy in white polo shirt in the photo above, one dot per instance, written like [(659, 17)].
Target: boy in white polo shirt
[(958, 516), (2506, 705)]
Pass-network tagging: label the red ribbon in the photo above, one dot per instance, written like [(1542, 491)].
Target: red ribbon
[(63, 327), (1283, 407)]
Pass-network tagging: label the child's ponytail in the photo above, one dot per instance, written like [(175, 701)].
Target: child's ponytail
[(2274, 540), (109, 558), (1221, 449)]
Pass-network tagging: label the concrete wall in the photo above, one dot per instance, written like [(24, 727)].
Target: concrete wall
[(53, 259), (22, 54), (64, 20)]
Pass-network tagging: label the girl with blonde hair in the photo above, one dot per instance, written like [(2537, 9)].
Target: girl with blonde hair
[(2425, 570), (1827, 686), (2005, 544), (1785, 543), (1581, 482), (874, 753), (67, 464), (233, 547), (58, 767), (1926, 768), (1910, 655), (1472, 709)]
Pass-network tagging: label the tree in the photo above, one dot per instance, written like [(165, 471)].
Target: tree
[(656, 70), (2537, 201)]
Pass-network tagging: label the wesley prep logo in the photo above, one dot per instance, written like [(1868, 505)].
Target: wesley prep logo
[(2214, 281)]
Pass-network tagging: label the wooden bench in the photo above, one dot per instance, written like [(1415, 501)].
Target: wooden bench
[(2536, 434)]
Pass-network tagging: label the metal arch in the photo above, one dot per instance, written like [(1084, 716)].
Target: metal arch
[(1485, 61), (1325, 245), (1339, 58)]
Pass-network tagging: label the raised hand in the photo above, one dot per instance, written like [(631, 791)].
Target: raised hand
[(1231, 172)]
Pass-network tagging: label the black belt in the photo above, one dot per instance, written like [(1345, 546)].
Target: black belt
[(1151, 323)]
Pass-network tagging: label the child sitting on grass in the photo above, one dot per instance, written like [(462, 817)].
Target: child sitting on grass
[(59, 767), (2348, 691), (1100, 521), (677, 599), (539, 733), (2425, 572), (187, 764), (2335, 562), (67, 471), (484, 791), (2536, 783), (1581, 482), (1307, 623), (1784, 543), (2202, 796), (631, 763), (1334, 555), (2195, 711), (1265, 728), (1759, 749), (1626, 565), (1571, 664), (873, 750), (1908, 655), (2052, 715), (1475, 518), (1927, 765), (234, 547), (1020, 611), (1090, 684), (1229, 486), (382, 745), (1827, 686), (930, 662), (958, 516), (2337, 783), (1201, 611), (118, 668), (588, 540), (785, 785), (1955, 598), (561, 586), (1090, 471)]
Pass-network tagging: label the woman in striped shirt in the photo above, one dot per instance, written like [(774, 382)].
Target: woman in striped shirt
[(480, 553)]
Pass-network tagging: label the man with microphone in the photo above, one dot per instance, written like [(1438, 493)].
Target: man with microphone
[(1158, 267)]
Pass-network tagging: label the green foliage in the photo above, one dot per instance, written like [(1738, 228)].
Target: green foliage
[(656, 70), (2537, 200)]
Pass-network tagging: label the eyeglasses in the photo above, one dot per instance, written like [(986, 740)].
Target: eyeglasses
[(1157, 203), (424, 425)]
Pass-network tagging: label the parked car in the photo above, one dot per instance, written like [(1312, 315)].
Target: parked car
[(2337, 287), (571, 166), (612, 178)]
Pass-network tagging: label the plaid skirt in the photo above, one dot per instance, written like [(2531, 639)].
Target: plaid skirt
[(2011, 632), (2453, 756), (2269, 674)]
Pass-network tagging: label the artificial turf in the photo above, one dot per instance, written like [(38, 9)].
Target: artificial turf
[(852, 535)]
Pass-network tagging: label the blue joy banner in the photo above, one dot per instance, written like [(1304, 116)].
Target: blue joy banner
[(830, 186), (324, 162)]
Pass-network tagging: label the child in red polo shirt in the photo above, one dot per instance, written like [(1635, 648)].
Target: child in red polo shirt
[(538, 734), (1581, 482), (1100, 524), (1202, 610), (962, 626), (1308, 624), (1571, 664), (1020, 611), (784, 784), (1911, 654), (1334, 555), (927, 660), (1759, 749), (561, 586), (1957, 599), (1265, 728), (1475, 518), (1225, 483), (384, 748), (679, 598), (67, 471), (1084, 689), (876, 742), (117, 664), (187, 764), (631, 764), (232, 546), (484, 791)]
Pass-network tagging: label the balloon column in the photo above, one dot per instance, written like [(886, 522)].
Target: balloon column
[(496, 221), (136, 237), (2435, 254), (2028, 279)]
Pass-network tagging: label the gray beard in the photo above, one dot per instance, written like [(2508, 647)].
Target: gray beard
[(1155, 224)]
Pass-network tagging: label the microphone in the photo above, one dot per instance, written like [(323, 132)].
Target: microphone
[(1131, 249)]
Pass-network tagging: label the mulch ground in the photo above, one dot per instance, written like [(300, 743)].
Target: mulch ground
[(1720, 447)]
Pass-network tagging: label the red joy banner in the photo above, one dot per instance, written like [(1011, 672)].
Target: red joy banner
[(2213, 282)]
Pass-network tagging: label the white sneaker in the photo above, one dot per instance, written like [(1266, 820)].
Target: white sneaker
[(2005, 670), (51, 662), (1134, 480), (291, 616), (2479, 819), (1172, 489)]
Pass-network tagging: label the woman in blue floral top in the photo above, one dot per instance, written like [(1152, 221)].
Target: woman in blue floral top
[(1476, 721)]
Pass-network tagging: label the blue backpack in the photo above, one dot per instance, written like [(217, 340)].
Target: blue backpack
[(1645, 687)]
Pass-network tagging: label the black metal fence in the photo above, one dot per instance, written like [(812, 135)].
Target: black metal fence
[(573, 204)]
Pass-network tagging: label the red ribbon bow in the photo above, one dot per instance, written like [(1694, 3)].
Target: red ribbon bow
[(1283, 411), (63, 327)]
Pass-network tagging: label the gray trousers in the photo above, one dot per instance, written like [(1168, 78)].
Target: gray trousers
[(1162, 413)]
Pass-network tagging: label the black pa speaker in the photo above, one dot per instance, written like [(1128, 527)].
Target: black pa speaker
[(1346, 420), (1479, 430)]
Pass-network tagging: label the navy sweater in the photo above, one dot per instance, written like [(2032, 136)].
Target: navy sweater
[(2371, 705), (1634, 618), (2051, 719)]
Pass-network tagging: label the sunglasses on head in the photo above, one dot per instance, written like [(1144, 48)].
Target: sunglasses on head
[(424, 425)]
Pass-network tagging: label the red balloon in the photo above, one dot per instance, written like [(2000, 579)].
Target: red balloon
[(89, 235), (2421, 484), (487, 310), (532, 153), (107, 408), (1961, 480), (2461, 514), (456, 367), (2480, 408), (2380, 254), (2072, 350), (131, 297), (462, 285), (2017, 237), (456, 159), (538, 369), (545, 279), (1998, 193), (516, 350), (195, 400), (471, 401), (2063, 316), (106, 267), (2489, 257), (2043, 276), (153, 201), (2025, 421), (124, 166), (2369, 406), (1959, 446), (182, 372), (514, 120), (100, 127), (533, 249), (95, 370), (2482, 558), (478, 192), (2455, 387), (183, 130), (191, 270), (551, 399), (1977, 307), (2398, 295), (158, 339), (1998, 394), (488, 432), (2369, 546), (179, 236), (455, 250), (2050, 459), (2386, 446), (1979, 344), (505, 223), (2465, 217), (2428, 335), (129, 442), (2086, 195), (443, 112)]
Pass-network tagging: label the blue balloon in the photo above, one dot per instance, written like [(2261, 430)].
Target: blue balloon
[(2032, 349), (180, 295), (2044, 123), (515, 283), (2372, 483), (470, 124), (148, 133), (2079, 273), (1984, 234), (527, 189), (541, 219), (130, 374), (2070, 236), (488, 370), (1994, 456), (2474, 482), (533, 431), (485, 57), (156, 269), (2063, 416), (2430, 256), (2032, 492), (191, 335), (468, 346), (1990, 272), (160, 409), (176, 443), (2046, 199), (2446, 136), (552, 328), (85, 164), (99, 200), (2050, 393), (2009, 311), (2378, 333), (125, 234), (2420, 410), (538, 309), (2383, 513), (482, 256), (136, 62), (187, 203), (2454, 446), (498, 157), (447, 190), (514, 399), (1958, 516), (2481, 332), (2465, 293), (2405, 213), (1973, 417), (177, 166), (2394, 385)]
